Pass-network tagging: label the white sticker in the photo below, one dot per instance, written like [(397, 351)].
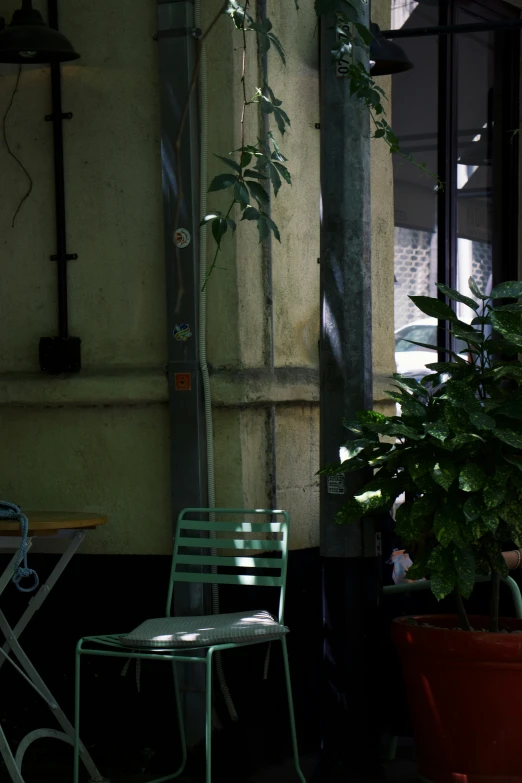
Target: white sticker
[(182, 237), (342, 66), (335, 484)]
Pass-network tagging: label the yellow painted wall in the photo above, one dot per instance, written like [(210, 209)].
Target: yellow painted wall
[(99, 441)]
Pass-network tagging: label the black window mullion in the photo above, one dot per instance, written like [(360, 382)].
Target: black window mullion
[(447, 155)]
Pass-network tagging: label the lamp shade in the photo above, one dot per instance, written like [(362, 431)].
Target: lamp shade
[(387, 56), (29, 40), (478, 153)]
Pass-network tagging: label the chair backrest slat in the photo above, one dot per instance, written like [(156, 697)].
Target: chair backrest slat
[(233, 562), (214, 549), (231, 579), (229, 543)]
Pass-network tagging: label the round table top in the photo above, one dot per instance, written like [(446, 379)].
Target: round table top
[(49, 522)]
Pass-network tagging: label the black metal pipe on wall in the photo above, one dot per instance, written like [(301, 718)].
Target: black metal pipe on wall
[(60, 354)]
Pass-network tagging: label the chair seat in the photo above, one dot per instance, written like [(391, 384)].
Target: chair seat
[(205, 631)]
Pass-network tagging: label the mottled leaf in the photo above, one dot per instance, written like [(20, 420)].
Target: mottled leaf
[(473, 507), (444, 473), (456, 419), (472, 477), (442, 573), (370, 417), (509, 436), (464, 564), (438, 429), (490, 521), (464, 439), (482, 421), (514, 459), (510, 290), (447, 524)]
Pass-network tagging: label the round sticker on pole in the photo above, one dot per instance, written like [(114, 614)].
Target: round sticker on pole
[(181, 237)]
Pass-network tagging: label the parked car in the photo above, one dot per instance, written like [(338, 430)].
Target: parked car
[(411, 360)]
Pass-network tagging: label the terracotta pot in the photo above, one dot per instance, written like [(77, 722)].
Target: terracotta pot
[(465, 696)]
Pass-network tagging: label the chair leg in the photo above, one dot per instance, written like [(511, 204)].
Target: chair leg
[(291, 712), (208, 718), (181, 722), (77, 714)]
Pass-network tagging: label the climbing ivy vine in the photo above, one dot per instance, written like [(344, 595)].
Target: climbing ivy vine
[(254, 168)]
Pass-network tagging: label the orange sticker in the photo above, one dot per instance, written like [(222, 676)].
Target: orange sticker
[(182, 381)]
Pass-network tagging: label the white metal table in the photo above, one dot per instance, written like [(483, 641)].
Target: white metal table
[(72, 527)]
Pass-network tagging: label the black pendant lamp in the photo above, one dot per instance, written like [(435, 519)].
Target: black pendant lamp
[(387, 56), (29, 40)]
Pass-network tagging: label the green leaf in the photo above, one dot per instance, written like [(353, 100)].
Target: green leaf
[(434, 307), (219, 229), (222, 181), (230, 162), (464, 563), (258, 193), (482, 421), (456, 296), (443, 575), (255, 174), (410, 407), (438, 429), (509, 325), (231, 224), (401, 430), (472, 477), (444, 473), (241, 194), (473, 287), (370, 417), (514, 459), (493, 492), (274, 178), (510, 308), (473, 508), (463, 439), (461, 395), (447, 524), (456, 419), (490, 521), (250, 213), (509, 436), (284, 172), (510, 290), (211, 216)]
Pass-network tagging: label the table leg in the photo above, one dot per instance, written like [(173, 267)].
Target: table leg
[(37, 600), (29, 672)]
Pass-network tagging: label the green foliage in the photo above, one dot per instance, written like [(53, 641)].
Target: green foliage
[(457, 452), (251, 197)]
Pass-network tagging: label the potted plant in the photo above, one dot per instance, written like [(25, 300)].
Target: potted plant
[(455, 453)]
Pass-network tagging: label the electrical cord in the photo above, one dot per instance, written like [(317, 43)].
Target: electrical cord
[(10, 151)]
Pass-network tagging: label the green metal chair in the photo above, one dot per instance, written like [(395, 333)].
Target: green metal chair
[(201, 549)]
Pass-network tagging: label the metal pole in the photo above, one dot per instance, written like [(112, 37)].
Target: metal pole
[(350, 575), (176, 57)]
